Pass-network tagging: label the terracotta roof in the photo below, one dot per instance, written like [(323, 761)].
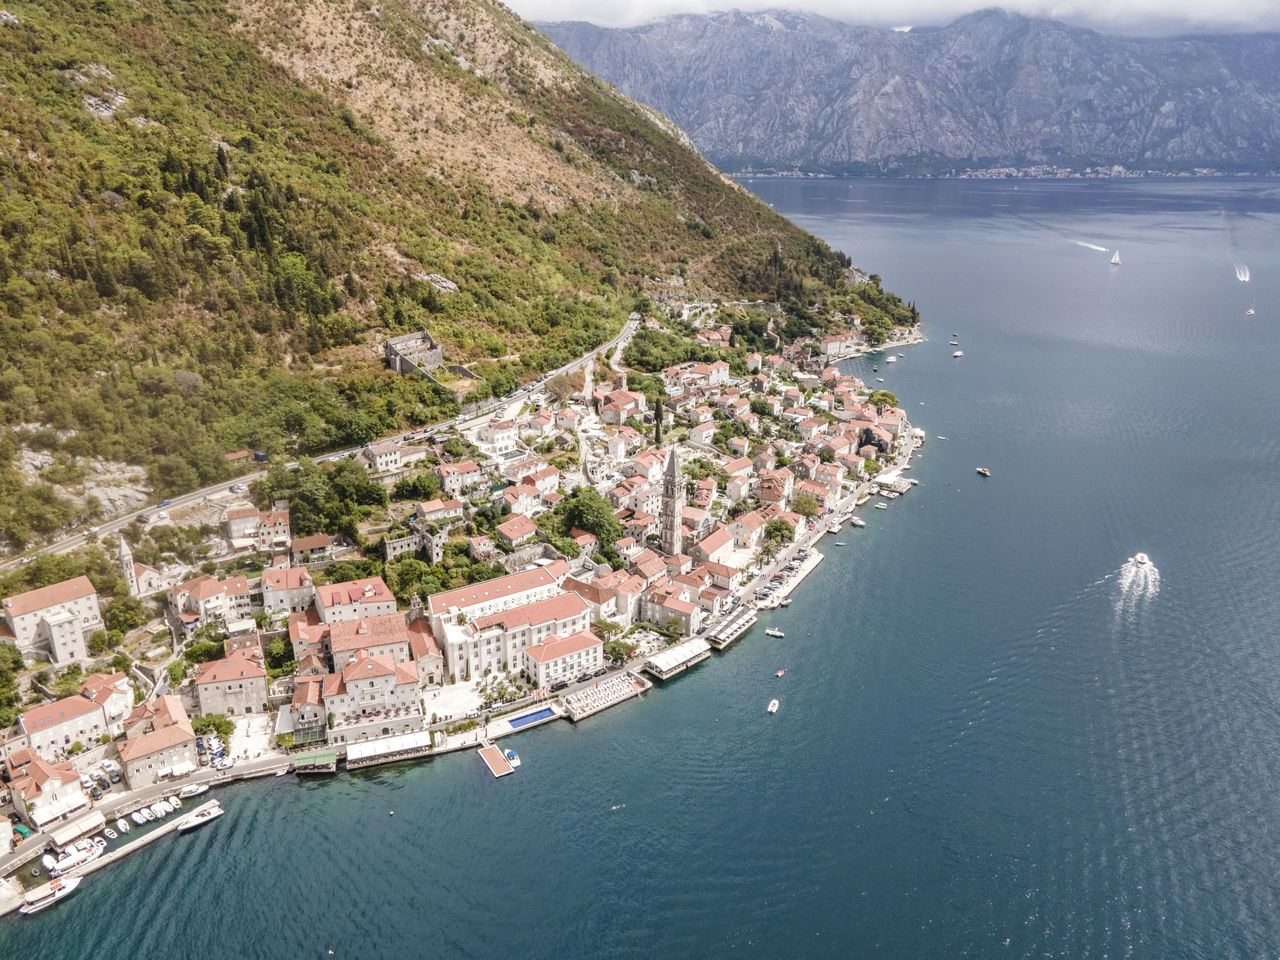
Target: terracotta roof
[(43, 597), (421, 641), (51, 714), (368, 590), (515, 583), (99, 687), (367, 667), (560, 607), (555, 647), (367, 632), (244, 664), (316, 541), (290, 578)]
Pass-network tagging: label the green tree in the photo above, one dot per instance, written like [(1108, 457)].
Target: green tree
[(806, 504), (882, 398), (124, 613), (777, 531), (587, 510), (560, 388)]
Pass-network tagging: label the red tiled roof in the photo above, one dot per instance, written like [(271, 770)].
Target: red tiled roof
[(43, 597), (368, 590), (560, 607), (463, 597), (367, 632), (555, 647), (244, 664), (51, 714)]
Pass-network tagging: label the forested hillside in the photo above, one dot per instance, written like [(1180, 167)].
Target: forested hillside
[(211, 214)]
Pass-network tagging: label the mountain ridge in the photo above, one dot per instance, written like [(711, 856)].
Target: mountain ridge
[(780, 90)]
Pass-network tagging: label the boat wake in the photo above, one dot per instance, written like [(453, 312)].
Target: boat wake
[(1089, 246), (1242, 272), (1137, 584)]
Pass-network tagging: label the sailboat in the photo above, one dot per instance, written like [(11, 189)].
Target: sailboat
[(1115, 258)]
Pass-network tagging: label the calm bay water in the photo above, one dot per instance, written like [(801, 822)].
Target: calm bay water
[(997, 739)]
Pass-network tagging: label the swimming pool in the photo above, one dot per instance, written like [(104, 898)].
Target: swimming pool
[(517, 722)]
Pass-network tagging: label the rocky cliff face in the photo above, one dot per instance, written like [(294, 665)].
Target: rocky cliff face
[(785, 90)]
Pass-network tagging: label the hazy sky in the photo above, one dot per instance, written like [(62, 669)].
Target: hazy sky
[(1150, 17)]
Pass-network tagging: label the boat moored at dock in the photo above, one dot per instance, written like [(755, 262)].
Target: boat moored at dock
[(48, 894), (193, 790), (202, 815)]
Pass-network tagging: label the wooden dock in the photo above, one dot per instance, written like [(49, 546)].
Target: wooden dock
[(495, 760)]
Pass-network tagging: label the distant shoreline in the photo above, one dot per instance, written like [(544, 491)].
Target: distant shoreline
[(1006, 173)]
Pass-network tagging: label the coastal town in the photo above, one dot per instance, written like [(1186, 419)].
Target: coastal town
[(547, 560)]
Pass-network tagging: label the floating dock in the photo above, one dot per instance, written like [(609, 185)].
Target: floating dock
[(495, 760), (677, 659), (729, 631)]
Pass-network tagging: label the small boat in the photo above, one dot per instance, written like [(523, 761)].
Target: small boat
[(1141, 559), (774, 632), (875, 369), (174, 802), (955, 343), (784, 602), (984, 471), (958, 354), (882, 505), (158, 810), (839, 543), (892, 360), (193, 790), (99, 843), (513, 758), (1115, 259), (137, 817), (940, 438), (1249, 312), (76, 855), (49, 862), (48, 894), (122, 825), (879, 379), (773, 706), (201, 817), (858, 521), (110, 834), (837, 528), (902, 354)]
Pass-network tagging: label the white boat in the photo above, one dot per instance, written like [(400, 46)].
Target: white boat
[(902, 354), (837, 528), (1115, 259), (1141, 559), (157, 810), (958, 353), (774, 632), (137, 817), (77, 855), (203, 815), (773, 706), (984, 471), (513, 758), (784, 602), (48, 894), (1249, 312), (955, 343), (879, 379), (839, 543), (192, 790), (941, 438), (891, 360), (174, 802), (122, 825), (110, 834), (882, 505), (49, 862), (858, 522)]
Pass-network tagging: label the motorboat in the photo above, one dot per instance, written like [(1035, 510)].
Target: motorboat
[(210, 811), (1141, 559), (76, 855), (110, 834), (773, 706), (882, 505), (891, 360), (192, 790), (49, 862), (958, 354), (157, 810), (940, 438), (879, 379), (122, 825), (839, 543), (46, 895), (784, 602), (174, 802), (857, 521), (137, 817), (513, 758), (781, 673), (983, 471), (955, 343), (1249, 312), (902, 354), (774, 632)]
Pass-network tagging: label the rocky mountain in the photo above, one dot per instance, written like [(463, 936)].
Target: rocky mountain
[(781, 90), (212, 212)]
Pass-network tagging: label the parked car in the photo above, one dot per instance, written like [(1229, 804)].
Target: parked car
[(601, 672), (225, 763), (559, 685), (114, 776), (85, 781), (584, 678), (95, 792), (101, 780)]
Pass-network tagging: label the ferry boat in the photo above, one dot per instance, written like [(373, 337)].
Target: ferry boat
[(773, 706), (1141, 559), (513, 758), (193, 790), (774, 632), (201, 817), (48, 894), (984, 471), (122, 825)]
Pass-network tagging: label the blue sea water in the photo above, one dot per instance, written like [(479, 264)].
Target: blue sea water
[(998, 737)]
